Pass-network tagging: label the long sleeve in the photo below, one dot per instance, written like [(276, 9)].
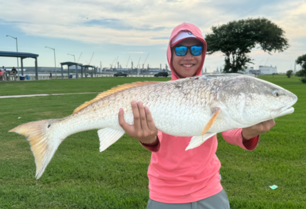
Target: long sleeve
[(234, 137), (156, 147)]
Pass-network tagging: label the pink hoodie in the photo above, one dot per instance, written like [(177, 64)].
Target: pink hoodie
[(179, 176)]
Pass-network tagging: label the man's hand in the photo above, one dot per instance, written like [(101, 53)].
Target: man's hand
[(144, 128), (251, 132)]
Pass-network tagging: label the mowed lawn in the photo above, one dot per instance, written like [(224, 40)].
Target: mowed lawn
[(79, 176)]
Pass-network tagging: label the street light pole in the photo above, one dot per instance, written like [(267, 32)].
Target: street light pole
[(54, 59), (72, 55), (16, 47)]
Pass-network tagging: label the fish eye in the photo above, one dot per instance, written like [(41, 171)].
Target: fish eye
[(275, 93)]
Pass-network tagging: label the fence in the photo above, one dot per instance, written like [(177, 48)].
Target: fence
[(59, 76)]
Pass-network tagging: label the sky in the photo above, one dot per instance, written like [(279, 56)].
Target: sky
[(99, 32)]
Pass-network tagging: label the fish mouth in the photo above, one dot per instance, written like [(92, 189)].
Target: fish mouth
[(284, 110)]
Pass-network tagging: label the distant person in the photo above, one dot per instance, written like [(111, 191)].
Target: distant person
[(1, 75), (14, 72), (4, 77)]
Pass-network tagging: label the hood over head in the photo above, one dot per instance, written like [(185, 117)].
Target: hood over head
[(176, 36)]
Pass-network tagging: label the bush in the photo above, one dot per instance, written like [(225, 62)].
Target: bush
[(300, 73), (289, 73), (303, 80)]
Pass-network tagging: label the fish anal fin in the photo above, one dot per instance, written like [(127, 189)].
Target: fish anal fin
[(108, 136), (211, 120), (112, 91), (198, 140)]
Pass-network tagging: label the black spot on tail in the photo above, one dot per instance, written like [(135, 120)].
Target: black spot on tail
[(49, 125)]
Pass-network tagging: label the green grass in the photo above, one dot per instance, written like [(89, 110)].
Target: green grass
[(68, 86), (79, 176)]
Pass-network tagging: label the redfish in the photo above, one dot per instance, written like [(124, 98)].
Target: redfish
[(198, 106)]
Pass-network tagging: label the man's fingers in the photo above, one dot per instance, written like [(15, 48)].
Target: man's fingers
[(122, 122), (264, 126), (272, 123), (150, 121), (144, 128), (136, 115), (267, 125), (258, 129), (143, 118)]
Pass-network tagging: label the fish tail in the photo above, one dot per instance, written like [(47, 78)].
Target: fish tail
[(43, 142)]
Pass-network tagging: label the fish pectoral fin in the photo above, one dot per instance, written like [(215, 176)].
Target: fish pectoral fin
[(108, 136), (198, 140), (211, 120)]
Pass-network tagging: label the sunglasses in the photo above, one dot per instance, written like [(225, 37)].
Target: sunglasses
[(182, 50)]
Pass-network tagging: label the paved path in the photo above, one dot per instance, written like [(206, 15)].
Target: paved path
[(42, 95)]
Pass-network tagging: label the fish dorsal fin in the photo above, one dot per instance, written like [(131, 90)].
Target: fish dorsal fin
[(112, 91), (211, 121)]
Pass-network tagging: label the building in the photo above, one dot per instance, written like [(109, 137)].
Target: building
[(267, 69), (262, 70)]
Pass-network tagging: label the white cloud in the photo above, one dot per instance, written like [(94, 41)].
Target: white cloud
[(147, 22), (68, 19)]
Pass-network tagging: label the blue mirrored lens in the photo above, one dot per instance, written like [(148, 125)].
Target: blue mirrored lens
[(181, 50), (196, 50)]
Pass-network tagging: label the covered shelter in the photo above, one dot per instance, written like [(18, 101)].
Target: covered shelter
[(22, 55), (93, 69), (72, 64)]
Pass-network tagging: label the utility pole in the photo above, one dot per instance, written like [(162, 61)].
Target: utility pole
[(16, 48), (54, 59)]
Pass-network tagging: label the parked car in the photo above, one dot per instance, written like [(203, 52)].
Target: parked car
[(120, 74), (163, 74)]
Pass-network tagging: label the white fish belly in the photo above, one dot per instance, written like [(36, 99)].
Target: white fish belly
[(179, 120)]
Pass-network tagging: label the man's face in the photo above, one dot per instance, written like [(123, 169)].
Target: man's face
[(187, 66)]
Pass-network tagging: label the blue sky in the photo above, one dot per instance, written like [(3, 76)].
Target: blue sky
[(136, 29)]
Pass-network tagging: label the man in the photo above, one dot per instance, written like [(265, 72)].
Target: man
[(1, 75), (177, 178), (14, 71), (4, 73)]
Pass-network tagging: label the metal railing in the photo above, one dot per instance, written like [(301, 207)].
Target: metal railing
[(72, 76)]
